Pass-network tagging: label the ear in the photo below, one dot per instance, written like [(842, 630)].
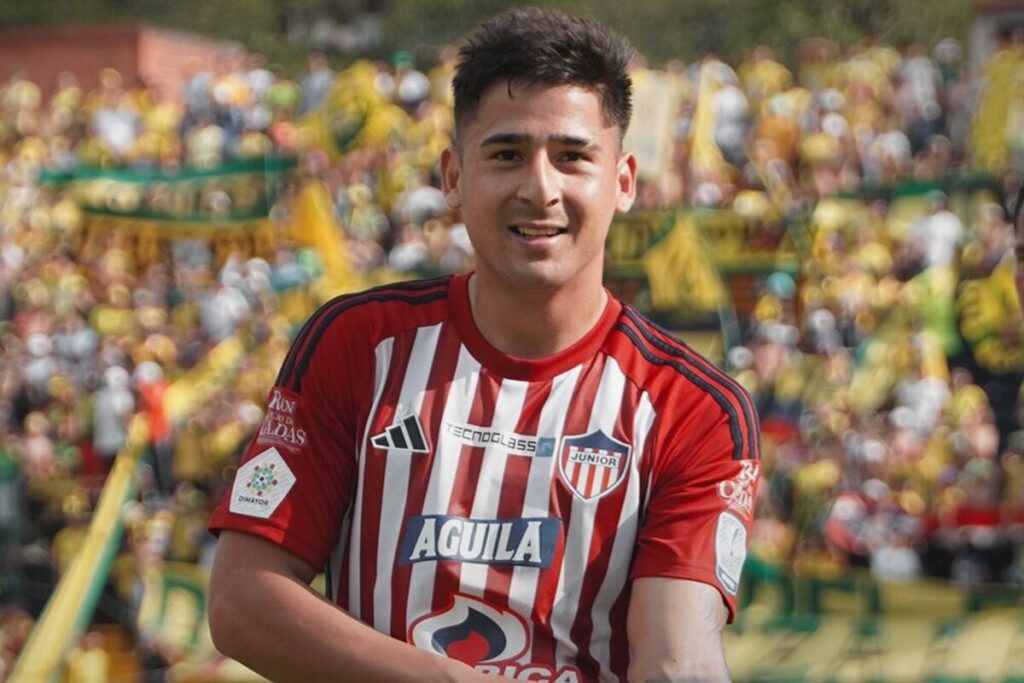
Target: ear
[(626, 183), (451, 174)]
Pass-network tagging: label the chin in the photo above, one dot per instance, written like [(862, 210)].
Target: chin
[(533, 277)]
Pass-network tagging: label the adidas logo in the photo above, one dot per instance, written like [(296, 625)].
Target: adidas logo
[(405, 435)]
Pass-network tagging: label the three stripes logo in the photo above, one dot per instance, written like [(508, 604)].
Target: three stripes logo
[(407, 434)]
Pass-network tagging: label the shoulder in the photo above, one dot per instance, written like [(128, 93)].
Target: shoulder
[(688, 392), (353, 324), (389, 307)]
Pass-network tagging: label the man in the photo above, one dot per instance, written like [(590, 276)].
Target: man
[(508, 468)]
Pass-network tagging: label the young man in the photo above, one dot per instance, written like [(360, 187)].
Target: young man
[(509, 468)]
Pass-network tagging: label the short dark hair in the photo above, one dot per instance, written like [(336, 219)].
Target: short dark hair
[(545, 47)]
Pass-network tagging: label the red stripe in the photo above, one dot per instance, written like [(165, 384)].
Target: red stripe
[(446, 582), (619, 641), (513, 487), (606, 521), (373, 472), (576, 422), (730, 389), (430, 412), (588, 486)]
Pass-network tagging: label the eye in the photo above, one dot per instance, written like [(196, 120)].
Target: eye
[(505, 155), (572, 156)]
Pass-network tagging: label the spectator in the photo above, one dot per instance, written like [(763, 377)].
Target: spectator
[(316, 83)]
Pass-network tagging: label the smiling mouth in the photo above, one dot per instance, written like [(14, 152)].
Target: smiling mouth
[(533, 231)]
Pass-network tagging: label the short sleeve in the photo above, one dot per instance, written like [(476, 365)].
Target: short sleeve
[(296, 479), (698, 519)]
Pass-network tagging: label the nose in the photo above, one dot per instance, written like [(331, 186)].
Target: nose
[(539, 185)]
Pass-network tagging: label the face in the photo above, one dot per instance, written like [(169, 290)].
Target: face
[(538, 176)]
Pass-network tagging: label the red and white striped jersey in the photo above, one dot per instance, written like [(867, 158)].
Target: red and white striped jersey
[(490, 508)]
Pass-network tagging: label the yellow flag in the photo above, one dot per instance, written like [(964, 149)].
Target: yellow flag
[(705, 157), (995, 125), (312, 224), (682, 271)]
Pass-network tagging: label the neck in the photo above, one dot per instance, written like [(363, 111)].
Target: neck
[(534, 323)]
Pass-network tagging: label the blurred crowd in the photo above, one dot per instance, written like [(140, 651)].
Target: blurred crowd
[(888, 443)]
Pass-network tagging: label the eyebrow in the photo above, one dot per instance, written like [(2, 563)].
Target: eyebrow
[(523, 138)]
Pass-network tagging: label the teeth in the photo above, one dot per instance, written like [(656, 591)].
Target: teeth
[(536, 232)]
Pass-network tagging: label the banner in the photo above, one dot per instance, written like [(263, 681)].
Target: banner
[(148, 240), (237, 190), (227, 206), (743, 245)]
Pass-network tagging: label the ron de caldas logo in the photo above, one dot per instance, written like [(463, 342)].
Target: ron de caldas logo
[(593, 464), (486, 637), (281, 426)]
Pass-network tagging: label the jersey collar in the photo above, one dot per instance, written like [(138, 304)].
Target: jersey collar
[(524, 369)]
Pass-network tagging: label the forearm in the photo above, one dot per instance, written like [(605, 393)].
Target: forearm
[(710, 667), (675, 633), (263, 615)]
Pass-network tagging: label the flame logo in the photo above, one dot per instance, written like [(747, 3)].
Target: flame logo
[(471, 631), (475, 640)]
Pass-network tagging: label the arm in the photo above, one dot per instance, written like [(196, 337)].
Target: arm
[(675, 632), (264, 614)]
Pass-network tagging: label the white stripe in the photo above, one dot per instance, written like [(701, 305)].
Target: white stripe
[(603, 416), (383, 357), (442, 476), (507, 409), (522, 591), (396, 473), (623, 544), (597, 479)]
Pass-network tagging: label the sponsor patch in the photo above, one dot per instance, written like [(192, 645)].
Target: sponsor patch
[(537, 673), (738, 492), (472, 631), (281, 425), (593, 464), (518, 542), (730, 551), (489, 638), (517, 444), (261, 484)]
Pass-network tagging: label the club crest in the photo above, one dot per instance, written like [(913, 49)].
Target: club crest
[(593, 464)]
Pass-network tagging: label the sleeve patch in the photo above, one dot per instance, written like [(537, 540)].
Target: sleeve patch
[(738, 492), (261, 484), (730, 551), (282, 426)]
